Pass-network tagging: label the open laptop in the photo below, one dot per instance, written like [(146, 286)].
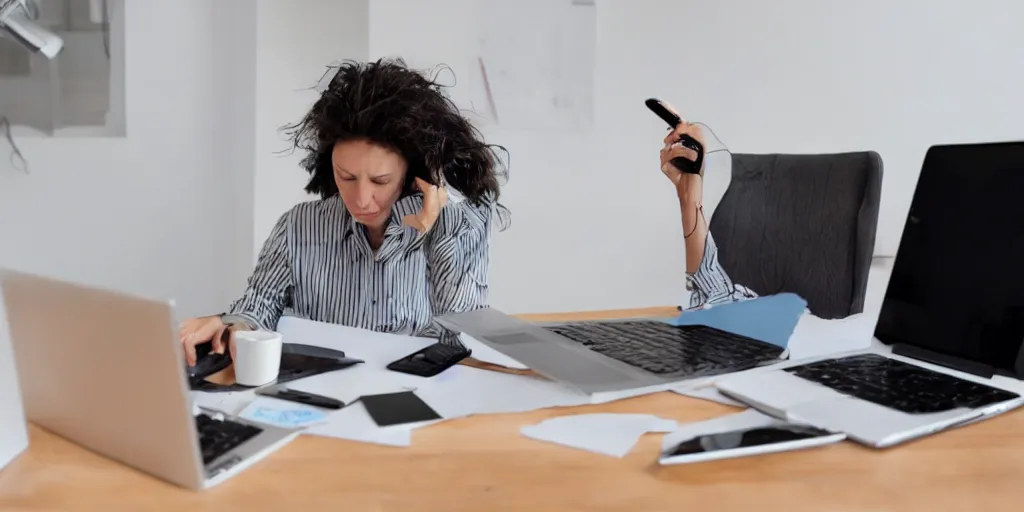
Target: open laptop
[(955, 300), (616, 355), (13, 431), (103, 370)]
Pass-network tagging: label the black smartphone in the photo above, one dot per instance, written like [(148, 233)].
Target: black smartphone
[(672, 119), (207, 363), (301, 397), (432, 360)]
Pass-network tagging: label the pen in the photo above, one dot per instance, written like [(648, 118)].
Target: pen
[(301, 397)]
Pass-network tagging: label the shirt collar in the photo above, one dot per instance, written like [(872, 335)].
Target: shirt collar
[(408, 205)]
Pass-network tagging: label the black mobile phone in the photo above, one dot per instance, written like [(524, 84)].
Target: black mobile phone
[(301, 397), (431, 360), (669, 116)]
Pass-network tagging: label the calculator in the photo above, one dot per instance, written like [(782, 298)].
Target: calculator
[(432, 360)]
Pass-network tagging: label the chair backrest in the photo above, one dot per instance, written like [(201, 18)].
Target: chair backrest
[(803, 224)]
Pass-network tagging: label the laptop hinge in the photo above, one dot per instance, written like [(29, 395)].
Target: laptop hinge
[(1018, 366), (223, 466), (948, 361)]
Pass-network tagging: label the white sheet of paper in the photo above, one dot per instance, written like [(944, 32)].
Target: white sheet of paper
[(464, 391), (709, 393), (486, 354), (354, 424), (816, 337), (227, 402), (602, 433), (741, 420)]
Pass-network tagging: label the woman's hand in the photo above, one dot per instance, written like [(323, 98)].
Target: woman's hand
[(195, 331), (434, 198), (689, 187)]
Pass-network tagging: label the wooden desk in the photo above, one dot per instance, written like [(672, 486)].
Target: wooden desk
[(483, 463)]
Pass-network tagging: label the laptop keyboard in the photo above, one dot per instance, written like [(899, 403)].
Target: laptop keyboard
[(898, 385), (668, 350), (217, 437)]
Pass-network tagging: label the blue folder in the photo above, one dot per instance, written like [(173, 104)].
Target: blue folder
[(771, 319)]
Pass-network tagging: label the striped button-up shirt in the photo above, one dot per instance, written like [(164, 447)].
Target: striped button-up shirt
[(710, 285), (317, 264)]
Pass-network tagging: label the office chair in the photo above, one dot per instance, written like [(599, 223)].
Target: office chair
[(803, 224)]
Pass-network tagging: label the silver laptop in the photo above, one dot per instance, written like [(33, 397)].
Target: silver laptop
[(105, 370), (13, 431), (616, 355), (955, 299)]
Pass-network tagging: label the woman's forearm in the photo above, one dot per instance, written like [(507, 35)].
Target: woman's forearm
[(695, 230)]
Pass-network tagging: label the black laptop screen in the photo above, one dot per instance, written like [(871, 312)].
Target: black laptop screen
[(957, 285)]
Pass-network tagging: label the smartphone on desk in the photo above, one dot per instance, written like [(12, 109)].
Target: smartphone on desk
[(747, 442), (431, 360)]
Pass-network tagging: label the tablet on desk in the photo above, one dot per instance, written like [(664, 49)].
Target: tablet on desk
[(746, 442)]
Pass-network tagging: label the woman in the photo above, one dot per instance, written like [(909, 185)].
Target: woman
[(383, 249), (705, 278)]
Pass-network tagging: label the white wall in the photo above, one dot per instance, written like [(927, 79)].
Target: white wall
[(171, 210), (153, 213), (296, 41), (179, 206), (594, 224)]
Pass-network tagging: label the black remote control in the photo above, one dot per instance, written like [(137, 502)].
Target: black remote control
[(431, 360)]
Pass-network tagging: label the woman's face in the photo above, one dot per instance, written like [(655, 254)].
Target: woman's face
[(370, 179)]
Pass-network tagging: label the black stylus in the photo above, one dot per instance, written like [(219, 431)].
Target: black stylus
[(301, 397)]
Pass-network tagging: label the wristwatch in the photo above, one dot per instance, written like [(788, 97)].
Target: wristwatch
[(230, 319)]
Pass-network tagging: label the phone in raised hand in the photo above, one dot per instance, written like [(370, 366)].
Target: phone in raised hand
[(668, 114)]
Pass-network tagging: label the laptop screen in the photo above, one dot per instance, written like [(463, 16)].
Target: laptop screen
[(957, 285)]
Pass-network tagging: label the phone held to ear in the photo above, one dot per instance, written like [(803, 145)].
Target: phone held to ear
[(669, 116)]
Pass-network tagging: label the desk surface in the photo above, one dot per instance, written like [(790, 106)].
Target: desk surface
[(483, 463)]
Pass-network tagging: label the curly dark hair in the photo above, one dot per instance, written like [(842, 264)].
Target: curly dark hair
[(388, 104)]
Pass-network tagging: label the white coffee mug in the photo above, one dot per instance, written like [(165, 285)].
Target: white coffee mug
[(257, 357)]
